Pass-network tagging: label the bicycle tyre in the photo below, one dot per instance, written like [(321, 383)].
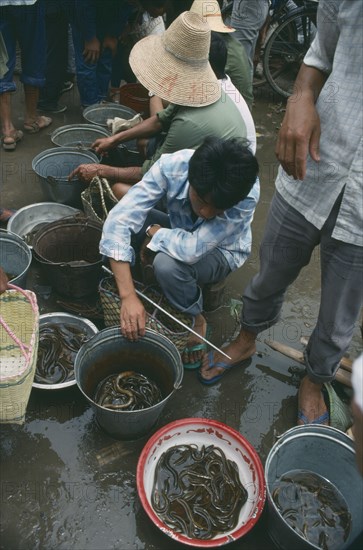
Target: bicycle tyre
[(286, 47)]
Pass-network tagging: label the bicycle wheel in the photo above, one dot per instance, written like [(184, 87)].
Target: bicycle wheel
[(285, 49)]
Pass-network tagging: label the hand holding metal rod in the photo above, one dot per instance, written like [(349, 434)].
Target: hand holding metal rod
[(172, 317)]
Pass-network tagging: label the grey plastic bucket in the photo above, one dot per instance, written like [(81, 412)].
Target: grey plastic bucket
[(53, 167), (15, 257), (108, 352), (327, 452)]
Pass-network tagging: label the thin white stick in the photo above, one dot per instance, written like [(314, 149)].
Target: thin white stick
[(174, 318)]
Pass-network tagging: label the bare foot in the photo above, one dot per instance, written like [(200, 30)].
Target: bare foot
[(239, 350), (188, 356), (311, 404)]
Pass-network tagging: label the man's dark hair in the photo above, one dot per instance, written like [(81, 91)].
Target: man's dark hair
[(224, 170), (218, 55)]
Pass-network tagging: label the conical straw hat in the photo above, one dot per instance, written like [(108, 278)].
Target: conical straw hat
[(211, 13), (175, 66)]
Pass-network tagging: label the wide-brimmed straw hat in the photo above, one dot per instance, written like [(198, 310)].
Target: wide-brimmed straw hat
[(211, 13), (175, 66)]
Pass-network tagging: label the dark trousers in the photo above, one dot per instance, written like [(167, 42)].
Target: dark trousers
[(57, 54)]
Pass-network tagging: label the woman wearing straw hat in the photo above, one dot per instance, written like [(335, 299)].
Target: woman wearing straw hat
[(210, 195), (175, 67), (237, 66)]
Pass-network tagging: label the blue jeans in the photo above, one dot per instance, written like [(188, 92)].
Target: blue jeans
[(286, 247), (25, 24), (93, 79)]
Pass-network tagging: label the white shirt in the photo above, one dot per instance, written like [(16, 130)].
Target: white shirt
[(231, 90)]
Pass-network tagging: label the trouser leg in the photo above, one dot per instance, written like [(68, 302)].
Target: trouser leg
[(340, 305), (247, 18), (180, 282), (286, 248), (57, 56)]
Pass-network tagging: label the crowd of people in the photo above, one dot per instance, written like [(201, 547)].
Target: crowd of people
[(187, 210)]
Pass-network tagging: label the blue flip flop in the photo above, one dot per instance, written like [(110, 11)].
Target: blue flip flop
[(320, 420), (222, 364), (198, 347)]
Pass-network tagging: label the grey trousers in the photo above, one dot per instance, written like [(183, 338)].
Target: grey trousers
[(248, 16), (288, 242), (181, 282)]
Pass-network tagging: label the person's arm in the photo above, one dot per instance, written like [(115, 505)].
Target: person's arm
[(300, 129), (147, 128), (125, 219), (132, 311)]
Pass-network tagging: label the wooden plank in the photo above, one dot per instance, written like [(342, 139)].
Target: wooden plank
[(342, 375)]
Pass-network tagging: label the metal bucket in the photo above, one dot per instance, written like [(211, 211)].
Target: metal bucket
[(327, 452), (68, 250), (101, 112), (108, 352), (28, 220), (15, 257), (78, 135), (53, 167)]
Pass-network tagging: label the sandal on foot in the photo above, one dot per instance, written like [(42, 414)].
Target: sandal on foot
[(12, 140), (220, 364), (197, 347), (35, 127), (322, 419)]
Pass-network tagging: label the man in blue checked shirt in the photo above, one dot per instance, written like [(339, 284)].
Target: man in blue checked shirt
[(211, 195)]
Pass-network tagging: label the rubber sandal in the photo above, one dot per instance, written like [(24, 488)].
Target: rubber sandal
[(197, 347), (34, 127), (15, 136), (322, 419), (221, 364)]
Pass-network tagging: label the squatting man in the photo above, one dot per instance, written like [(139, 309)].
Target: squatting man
[(204, 234)]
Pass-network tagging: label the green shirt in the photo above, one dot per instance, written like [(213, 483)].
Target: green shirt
[(187, 127), (238, 68)]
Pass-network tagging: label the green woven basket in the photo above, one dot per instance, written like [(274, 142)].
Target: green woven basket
[(155, 319)]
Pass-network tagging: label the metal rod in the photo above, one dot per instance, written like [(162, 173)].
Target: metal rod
[(172, 317)]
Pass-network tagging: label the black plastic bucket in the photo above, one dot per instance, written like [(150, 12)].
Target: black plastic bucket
[(68, 250)]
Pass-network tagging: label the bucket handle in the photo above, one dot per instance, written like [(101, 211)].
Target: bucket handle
[(178, 381)]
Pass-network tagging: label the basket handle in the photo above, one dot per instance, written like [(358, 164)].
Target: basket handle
[(97, 182), (30, 297), (23, 347)]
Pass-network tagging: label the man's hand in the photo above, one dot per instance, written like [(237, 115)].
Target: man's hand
[(3, 281), (86, 172), (298, 136), (132, 317), (92, 49), (102, 145)]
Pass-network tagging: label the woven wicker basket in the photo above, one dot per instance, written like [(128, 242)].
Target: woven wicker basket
[(98, 199), (155, 319), (19, 336)]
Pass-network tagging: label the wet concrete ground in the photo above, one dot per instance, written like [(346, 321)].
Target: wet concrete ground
[(65, 484)]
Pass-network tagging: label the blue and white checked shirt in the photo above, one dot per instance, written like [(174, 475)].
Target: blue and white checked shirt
[(338, 51), (187, 241)]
